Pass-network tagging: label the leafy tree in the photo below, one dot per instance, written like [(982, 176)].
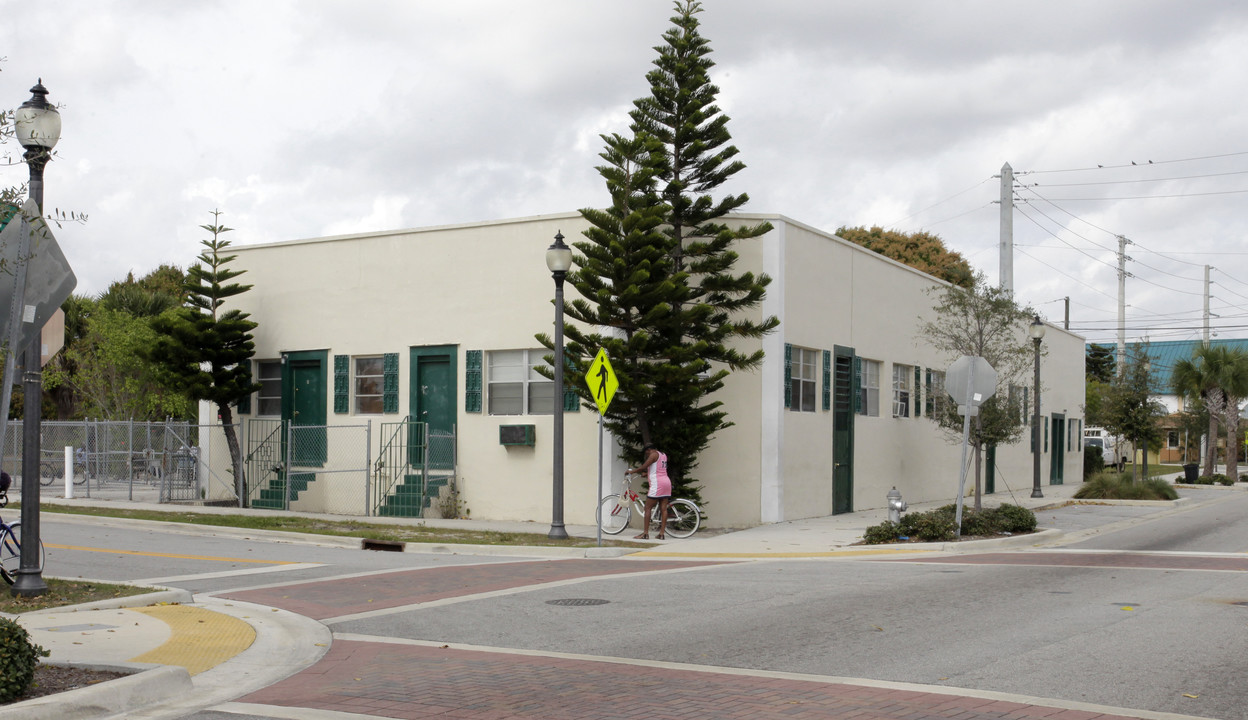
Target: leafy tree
[(920, 250), (1130, 410), (984, 321), (112, 378), (657, 267), (206, 348), (1217, 376)]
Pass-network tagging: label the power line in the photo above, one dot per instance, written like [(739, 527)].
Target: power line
[(941, 202), (1145, 180), (1132, 164), (1153, 197)]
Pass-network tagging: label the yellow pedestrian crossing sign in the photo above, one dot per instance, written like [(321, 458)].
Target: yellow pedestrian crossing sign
[(601, 381)]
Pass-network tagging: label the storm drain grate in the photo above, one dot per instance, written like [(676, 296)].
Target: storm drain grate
[(577, 602)]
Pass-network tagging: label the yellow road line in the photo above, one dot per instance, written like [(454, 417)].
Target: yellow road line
[(200, 639), (171, 555), (830, 553)]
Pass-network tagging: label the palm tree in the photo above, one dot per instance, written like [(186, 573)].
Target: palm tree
[(1218, 376)]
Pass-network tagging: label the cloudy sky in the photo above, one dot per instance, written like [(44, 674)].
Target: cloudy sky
[(308, 118)]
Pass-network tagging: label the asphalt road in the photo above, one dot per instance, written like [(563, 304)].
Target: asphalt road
[(1090, 620)]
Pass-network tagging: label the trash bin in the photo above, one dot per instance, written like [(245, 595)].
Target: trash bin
[(1191, 471)]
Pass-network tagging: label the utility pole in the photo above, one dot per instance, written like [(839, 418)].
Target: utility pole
[(1206, 343), (1122, 302), (1066, 319), (1006, 250)]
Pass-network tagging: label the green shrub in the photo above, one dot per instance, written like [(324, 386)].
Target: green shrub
[(1093, 461), (1119, 486), (1243, 477), (933, 526), (1015, 518), (886, 532), (18, 659), (1221, 479), (1206, 479), (977, 523)]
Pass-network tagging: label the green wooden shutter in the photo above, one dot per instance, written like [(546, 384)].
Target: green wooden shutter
[(342, 383), (788, 375), (857, 387), (472, 381), (390, 383), (928, 401), (918, 406), (1046, 433), (827, 380), (570, 401)]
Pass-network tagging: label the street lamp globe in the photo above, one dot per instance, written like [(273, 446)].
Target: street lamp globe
[(559, 256), (1036, 330), (37, 123)]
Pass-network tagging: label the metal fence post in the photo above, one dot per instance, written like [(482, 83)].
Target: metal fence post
[(368, 466), (290, 454)]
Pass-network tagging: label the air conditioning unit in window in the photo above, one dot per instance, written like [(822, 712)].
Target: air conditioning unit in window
[(523, 435)]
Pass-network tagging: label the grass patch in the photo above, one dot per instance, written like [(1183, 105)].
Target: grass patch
[(415, 533), (67, 592), (1119, 486)]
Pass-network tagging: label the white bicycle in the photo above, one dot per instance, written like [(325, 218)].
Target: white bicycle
[(684, 517)]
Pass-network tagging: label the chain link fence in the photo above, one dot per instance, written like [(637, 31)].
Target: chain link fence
[(321, 469), (160, 458)]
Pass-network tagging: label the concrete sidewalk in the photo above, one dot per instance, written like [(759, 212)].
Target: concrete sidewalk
[(231, 648)]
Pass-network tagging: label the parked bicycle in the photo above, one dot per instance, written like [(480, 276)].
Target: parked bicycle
[(52, 467), (684, 517), (11, 541)]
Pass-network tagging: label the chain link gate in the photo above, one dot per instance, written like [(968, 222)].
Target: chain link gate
[(309, 468), (415, 469)]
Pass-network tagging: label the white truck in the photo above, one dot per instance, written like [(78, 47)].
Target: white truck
[(1114, 450)]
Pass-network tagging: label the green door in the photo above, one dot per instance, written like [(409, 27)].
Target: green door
[(843, 394), (1057, 461), (990, 470), (432, 394), (304, 400)]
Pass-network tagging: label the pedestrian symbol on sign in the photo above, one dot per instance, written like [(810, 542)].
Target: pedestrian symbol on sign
[(601, 381)]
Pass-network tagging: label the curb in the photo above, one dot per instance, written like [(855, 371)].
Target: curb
[(150, 684), (168, 596)]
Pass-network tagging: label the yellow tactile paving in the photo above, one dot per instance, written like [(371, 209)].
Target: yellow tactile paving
[(200, 639)]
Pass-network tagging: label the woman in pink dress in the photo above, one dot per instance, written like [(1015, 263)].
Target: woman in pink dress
[(660, 489)]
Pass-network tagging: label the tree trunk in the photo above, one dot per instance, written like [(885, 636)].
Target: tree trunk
[(1211, 443), (1232, 444), (236, 451)]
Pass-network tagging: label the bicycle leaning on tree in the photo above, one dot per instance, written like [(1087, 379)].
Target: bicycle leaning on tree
[(684, 517), (11, 540)]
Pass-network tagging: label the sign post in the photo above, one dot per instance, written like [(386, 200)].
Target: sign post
[(602, 384), (970, 381)]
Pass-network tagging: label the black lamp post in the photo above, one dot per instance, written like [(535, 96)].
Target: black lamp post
[(1036, 330), (558, 260), (37, 125)]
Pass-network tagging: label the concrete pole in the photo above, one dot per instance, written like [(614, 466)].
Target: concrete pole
[(1006, 250), (1206, 343), (1122, 303)]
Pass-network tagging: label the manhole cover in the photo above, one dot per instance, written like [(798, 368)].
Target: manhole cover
[(577, 602)]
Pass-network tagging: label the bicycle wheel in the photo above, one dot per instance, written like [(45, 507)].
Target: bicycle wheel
[(613, 514), (683, 518), (47, 473), (11, 552)]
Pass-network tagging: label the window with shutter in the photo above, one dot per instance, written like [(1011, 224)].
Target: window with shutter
[(827, 380), (390, 383), (342, 383), (472, 381)]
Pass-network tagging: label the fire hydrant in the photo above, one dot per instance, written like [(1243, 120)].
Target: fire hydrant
[(896, 506)]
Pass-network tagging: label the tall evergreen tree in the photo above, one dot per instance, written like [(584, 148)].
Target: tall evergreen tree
[(680, 317), (205, 348)]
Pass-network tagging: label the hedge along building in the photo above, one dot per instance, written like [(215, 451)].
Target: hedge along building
[(438, 324)]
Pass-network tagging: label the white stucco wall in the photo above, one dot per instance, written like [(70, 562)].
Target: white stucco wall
[(484, 286)]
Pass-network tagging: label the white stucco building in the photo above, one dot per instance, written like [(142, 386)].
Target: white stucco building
[(438, 324)]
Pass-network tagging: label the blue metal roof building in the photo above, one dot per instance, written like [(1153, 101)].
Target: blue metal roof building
[(1164, 355)]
